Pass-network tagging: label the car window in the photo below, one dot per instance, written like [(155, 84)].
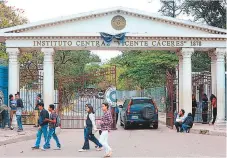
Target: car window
[(141, 101)]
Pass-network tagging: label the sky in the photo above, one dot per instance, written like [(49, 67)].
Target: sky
[(36, 10)]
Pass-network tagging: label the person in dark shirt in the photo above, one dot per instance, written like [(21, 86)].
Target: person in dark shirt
[(52, 126), (204, 108), (43, 125), (19, 112), (188, 123), (194, 106), (38, 100)]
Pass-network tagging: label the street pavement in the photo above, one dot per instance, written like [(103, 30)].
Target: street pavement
[(131, 143)]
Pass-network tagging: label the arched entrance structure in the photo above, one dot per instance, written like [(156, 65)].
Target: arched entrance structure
[(143, 30)]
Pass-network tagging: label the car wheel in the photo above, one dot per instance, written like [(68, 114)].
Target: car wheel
[(126, 126), (155, 126)]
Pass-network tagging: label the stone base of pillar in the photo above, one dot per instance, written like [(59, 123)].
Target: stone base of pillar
[(220, 124)]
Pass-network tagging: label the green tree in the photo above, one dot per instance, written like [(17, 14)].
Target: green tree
[(210, 12), (144, 69), (9, 16)]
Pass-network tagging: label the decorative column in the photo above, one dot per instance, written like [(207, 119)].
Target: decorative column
[(187, 79), (226, 85), (48, 79), (213, 72), (13, 84), (180, 81), (220, 72)]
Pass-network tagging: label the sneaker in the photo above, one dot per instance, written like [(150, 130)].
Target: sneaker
[(57, 148), (35, 147), (99, 148), (19, 130), (82, 150), (43, 149)]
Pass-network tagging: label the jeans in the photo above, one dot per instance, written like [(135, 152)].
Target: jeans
[(41, 131), (104, 141), (185, 127), (19, 122), (50, 134), (90, 137), (178, 126)]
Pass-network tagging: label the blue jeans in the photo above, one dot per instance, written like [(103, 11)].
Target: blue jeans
[(41, 131), (19, 122), (88, 136), (185, 127), (50, 134)]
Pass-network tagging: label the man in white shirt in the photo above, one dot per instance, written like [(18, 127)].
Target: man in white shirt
[(179, 120)]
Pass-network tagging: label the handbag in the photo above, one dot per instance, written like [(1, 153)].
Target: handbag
[(57, 130)]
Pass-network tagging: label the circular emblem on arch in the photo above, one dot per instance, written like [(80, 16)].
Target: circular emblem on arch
[(111, 95), (118, 22)]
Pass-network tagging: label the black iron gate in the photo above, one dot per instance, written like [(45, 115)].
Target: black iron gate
[(76, 92), (171, 103)]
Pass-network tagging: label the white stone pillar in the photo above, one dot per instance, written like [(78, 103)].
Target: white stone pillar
[(48, 78), (226, 86), (187, 79), (220, 72), (180, 82), (13, 84), (213, 73)]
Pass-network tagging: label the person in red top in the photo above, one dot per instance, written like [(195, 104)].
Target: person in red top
[(106, 123), (213, 100)]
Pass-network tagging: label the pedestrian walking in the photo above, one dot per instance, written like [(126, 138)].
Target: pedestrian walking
[(106, 123), (19, 112), (13, 108), (213, 101), (53, 123), (89, 130), (194, 106), (204, 108), (36, 111), (43, 125)]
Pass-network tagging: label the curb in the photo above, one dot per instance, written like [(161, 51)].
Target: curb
[(203, 131), (16, 140), (207, 132)]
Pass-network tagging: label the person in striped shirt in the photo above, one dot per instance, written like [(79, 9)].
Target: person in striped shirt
[(106, 123)]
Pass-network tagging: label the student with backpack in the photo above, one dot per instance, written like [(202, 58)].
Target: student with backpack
[(43, 125), (54, 122)]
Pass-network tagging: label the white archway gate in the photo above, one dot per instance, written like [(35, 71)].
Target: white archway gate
[(144, 31)]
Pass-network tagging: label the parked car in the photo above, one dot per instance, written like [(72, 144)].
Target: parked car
[(139, 111)]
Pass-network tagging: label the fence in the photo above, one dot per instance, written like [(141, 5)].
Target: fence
[(158, 94)]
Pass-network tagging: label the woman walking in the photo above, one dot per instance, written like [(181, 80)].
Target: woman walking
[(106, 122), (13, 106), (89, 130)]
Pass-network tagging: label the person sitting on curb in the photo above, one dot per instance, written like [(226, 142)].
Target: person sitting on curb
[(188, 123), (179, 120)]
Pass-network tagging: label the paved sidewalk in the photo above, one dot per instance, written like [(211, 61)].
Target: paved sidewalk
[(207, 129), (8, 136)]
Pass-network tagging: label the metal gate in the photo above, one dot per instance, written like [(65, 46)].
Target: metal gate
[(171, 103), (89, 88), (31, 84)]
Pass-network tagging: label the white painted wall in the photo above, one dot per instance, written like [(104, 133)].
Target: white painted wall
[(133, 25)]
